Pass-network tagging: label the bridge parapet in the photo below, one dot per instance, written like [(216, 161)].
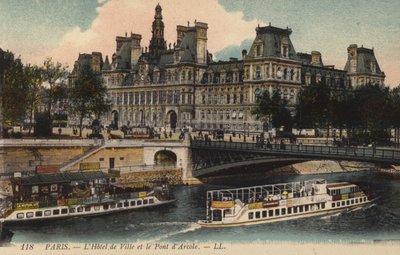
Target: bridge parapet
[(374, 155)]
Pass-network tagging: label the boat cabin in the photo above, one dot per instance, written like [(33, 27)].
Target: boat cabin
[(54, 188)]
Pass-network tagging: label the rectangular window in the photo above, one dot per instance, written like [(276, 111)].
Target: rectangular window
[(56, 212), (20, 215), (87, 208), (352, 201), (323, 205), (333, 205), (257, 215), (139, 202), (105, 207), (300, 208), (295, 209), (289, 210), (264, 214), (251, 215), (347, 202), (337, 204), (151, 201), (306, 207), (80, 209), (271, 213), (113, 205), (365, 199), (72, 210), (119, 205), (39, 214), (29, 215), (277, 212), (343, 203), (126, 204), (283, 211), (133, 203), (64, 211), (47, 213), (145, 202)]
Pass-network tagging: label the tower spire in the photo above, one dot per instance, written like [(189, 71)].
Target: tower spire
[(157, 42)]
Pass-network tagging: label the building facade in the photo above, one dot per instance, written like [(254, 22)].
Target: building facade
[(179, 84)]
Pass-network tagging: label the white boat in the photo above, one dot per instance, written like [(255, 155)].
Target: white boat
[(278, 202), (40, 197)]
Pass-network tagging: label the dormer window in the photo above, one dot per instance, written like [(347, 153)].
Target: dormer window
[(373, 67)]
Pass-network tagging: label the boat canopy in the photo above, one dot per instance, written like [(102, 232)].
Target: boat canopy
[(64, 177)]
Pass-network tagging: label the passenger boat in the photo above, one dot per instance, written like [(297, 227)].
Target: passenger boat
[(75, 194), (278, 202)]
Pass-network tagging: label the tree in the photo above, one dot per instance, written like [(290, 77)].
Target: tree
[(87, 96), (274, 109), (34, 81), (52, 74), (14, 96)]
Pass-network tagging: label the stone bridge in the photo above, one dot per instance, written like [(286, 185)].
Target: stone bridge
[(209, 158)]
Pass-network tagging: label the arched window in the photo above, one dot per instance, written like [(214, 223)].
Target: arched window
[(228, 98), (257, 94), (234, 99), (190, 75), (258, 72), (292, 74)]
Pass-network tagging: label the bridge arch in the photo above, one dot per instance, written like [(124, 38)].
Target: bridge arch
[(165, 158)]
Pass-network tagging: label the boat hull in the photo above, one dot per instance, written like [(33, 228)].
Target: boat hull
[(215, 224)]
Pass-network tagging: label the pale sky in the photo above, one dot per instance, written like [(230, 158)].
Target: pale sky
[(35, 29)]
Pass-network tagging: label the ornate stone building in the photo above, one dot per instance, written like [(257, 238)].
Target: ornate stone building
[(177, 85)]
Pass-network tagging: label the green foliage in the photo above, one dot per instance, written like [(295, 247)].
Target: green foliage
[(87, 96), (274, 109)]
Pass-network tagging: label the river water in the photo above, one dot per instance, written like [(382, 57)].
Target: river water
[(177, 222)]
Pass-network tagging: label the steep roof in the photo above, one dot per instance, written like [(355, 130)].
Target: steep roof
[(272, 39)]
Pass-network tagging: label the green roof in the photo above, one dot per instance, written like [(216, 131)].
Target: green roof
[(63, 177)]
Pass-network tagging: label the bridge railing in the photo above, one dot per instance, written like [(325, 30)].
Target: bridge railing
[(299, 149)]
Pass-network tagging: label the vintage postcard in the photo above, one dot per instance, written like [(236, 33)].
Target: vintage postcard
[(202, 127)]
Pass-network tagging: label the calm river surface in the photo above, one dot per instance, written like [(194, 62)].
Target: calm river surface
[(379, 221)]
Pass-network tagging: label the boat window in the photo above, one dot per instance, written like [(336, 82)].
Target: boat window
[(300, 208), (87, 208), (151, 200), (64, 211), (283, 211), (72, 210), (80, 209), (352, 201), (289, 210), (365, 199), (20, 215), (38, 214), (105, 207), (126, 204), (347, 202), (139, 202), (97, 207), (295, 209), (145, 201), (322, 205), (306, 208), (333, 205), (251, 215), (29, 214), (343, 203), (112, 206), (264, 214), (257, 215), (47, 213), (271, 213), (133, 203), (356, 200), (56, 212), (276, 212), (337, 204)]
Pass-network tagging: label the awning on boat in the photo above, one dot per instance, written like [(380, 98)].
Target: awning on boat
[(64, 177)]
